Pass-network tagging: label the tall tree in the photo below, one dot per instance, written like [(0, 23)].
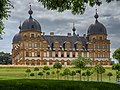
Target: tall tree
[(117, 68), (36, 69), (28, 72), (5, 58), (109, 75), (5, 6), (76, 6), (116, 55), (80, 62), (66, 72), (99, 70), (72, 73), (57, 65)]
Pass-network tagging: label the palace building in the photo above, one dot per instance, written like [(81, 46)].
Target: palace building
[(32, 47)]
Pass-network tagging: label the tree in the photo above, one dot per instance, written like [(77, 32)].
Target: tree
[(72, 73), (116, 55), (46, 68), (66, 72), (57, 65), (47, 73), (36, 69), (88, 73), (28, 71), (76, 6), (5, 58), (84, 75), (109, 75), (32, 74), (5, 6), (117, 68), (80, 62), (99, 70), (40, 74)]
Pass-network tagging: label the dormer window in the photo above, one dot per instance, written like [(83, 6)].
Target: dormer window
[(32, 26), (32, 36)]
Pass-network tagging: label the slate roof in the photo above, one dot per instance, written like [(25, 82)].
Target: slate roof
[(97, 28), (31, 24), (16, 38), (62, 39)]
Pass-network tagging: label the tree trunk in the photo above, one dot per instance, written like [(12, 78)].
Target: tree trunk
[(72, 77), (80, 74), (87, 78), (101, 77), (97, 77), (109, 79)]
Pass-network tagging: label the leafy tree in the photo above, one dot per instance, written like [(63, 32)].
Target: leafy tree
[(5, 6), (109, 75), (99, 70), (80, 62), (46, 68), (32, 74), (57, 65), (116, 55), (117, 68), (5, 58), (28, 71), (66, 72), (53, 73), (88, 73), (76, 6), (40, 74), (47, 73), (36, 69), (72, 73), (84, 75)]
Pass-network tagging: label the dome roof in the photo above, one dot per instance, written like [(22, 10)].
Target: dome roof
[(16, 38), (97, 27), (31, 24)]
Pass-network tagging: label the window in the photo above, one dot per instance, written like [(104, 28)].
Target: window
[(62, 55), (68, 55), (32, 45), (44, 46), (56, 55), (32, 54), (101, 55), (27, 54), (50, 54), (100, 38), (96, 55), (96, 46), (32, 26), (73, 55), (38, 45), (32, 35), (38, 54)]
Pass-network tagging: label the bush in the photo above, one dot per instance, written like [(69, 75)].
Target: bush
[(31, 74)]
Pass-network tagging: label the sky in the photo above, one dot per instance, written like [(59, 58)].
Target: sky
[(62, 23)]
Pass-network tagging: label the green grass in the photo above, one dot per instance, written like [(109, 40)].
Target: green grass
[(38, 84), (19, 73)]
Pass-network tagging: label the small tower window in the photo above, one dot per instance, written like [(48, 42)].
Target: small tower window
[(32, 26)]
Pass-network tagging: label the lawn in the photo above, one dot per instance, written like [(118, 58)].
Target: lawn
[(38, 84), (15, 72)]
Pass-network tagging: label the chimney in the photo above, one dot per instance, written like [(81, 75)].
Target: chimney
[(51, 33), (69, 34)]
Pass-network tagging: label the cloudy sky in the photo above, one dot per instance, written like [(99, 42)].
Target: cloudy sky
[(61, 23)]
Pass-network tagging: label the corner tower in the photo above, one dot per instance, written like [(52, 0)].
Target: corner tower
[(99, 45)]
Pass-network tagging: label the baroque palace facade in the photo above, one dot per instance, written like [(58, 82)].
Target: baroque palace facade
[(32, 47)]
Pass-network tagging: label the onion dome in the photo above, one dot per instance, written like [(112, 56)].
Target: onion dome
[(16, 38), (31, 24), (97, 27)]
